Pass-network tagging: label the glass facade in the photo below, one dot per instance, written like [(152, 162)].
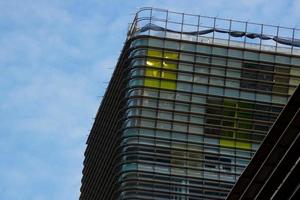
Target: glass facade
[(194, 114), (194, 120)]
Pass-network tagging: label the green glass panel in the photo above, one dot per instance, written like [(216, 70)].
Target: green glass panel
[(154, 53), (169, 65), (169, 75), (235, 144), (171, 55), (227, 143), (152, 72), (153, 63), (168, 84), (243, 145), (151, 82)]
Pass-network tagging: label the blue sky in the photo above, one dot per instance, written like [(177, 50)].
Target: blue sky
[(55, 59)]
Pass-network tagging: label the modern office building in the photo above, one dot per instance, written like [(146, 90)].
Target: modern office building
[(189, 102), (274, 171)]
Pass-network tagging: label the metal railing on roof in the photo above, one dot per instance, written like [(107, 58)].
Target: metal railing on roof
[(215, 30)]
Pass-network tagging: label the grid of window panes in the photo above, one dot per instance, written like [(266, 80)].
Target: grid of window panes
[(196, 114)]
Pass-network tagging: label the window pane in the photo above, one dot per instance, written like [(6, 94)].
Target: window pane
[(184, 77), (171, 44), (151, 82), (168, 75), (184, 86), (154, 53), (185, 67), (168, 84), (169, 65), (153, 63), (171, 55), (152, 72)]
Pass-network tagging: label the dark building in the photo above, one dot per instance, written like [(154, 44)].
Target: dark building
[(274, 171), (188, 105)]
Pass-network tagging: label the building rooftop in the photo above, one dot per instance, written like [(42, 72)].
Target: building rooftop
[(215, 30)]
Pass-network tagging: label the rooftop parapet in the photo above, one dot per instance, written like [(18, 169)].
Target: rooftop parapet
[(214, 30)]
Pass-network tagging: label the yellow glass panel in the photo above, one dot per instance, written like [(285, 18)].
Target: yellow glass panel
[(154, 53), (169, 65), (151, 82), (235, 144), (168, 84), (169, 75), (227, 143), (243, 145), (152, 72), (171, 55), (153, 63)]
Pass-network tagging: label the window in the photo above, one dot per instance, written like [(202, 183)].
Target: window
[(184, 77), (153, 63), (202, 59), (165, 104), (155, 42), (200, 79), (200, 88), (171, 44), (139, 42), (168, 75), (198, 99), (165, 115), (166, 95), (181, 107), (203, 49), (219, 51), (217, 81), (154, 53), (147, 123), (235, 53), (171, 55), (180, 117), (165, 84), (195, 129), (184, 86), (169, 65), (188, 47), (197, 108), (164, 125), (232, 83), (180, 127), (216, 90), (231, 93), (182, 96), (217, 71), (186, 57), (152, 82), (201, 69)]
